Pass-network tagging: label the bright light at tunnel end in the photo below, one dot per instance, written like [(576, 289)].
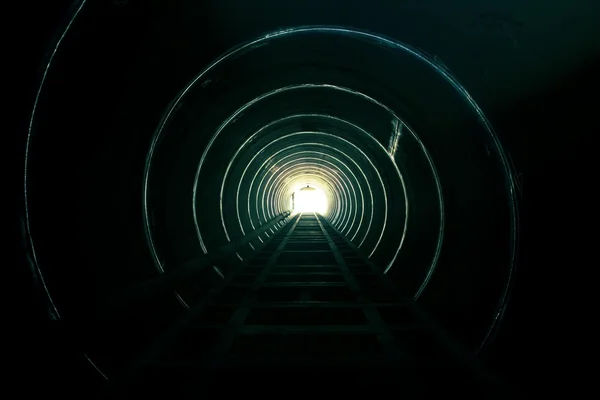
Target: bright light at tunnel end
[(309, 199)]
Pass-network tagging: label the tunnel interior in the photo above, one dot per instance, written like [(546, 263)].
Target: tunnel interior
[(180, 191)]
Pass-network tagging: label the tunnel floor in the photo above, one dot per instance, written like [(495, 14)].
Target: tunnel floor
[(309, 305)]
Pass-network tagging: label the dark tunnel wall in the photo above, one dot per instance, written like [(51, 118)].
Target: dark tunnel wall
[(526, 63), (313, 94), (438, 216)]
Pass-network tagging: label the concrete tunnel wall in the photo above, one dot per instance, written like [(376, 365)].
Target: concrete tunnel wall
[(412, 170)]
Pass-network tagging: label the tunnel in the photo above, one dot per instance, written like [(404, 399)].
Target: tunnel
[(315, 197)]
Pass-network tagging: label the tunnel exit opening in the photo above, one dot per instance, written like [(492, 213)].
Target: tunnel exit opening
[(309, 199)]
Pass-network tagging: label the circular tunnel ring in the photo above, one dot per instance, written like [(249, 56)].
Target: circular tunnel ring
[(344, 182), (312, 152), (337, 150)]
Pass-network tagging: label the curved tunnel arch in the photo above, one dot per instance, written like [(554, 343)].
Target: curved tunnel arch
[(363, 142), (294, 116), (223, 162), (346, 187), (308, 170), (313, 153), (287, 192), (361, 155), (233, 118)]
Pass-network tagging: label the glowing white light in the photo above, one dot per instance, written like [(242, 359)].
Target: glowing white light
[(309, 199)]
